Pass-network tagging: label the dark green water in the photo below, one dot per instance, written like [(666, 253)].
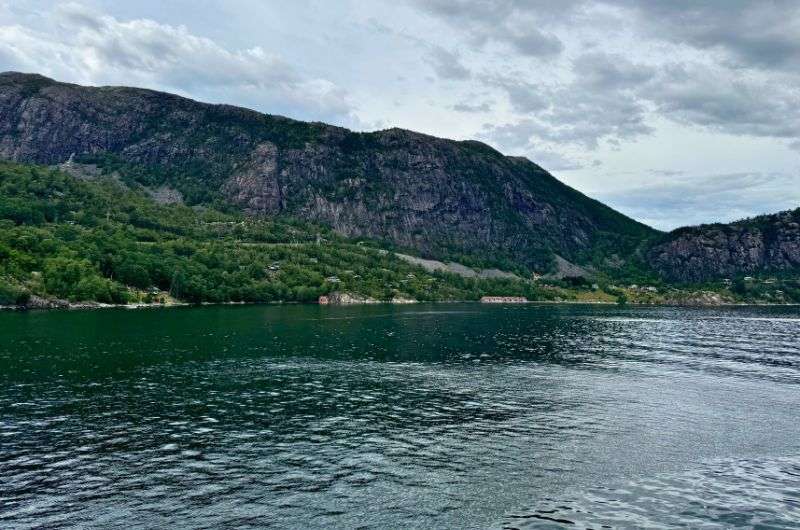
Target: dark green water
[(428, 416)]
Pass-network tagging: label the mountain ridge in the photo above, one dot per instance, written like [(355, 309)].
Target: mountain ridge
[(764, 244), (442, 198)]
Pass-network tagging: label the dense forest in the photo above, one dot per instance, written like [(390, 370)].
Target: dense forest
[(98, 239)]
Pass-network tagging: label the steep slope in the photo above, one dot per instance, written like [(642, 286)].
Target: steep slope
[(443, 198), (769, 243)]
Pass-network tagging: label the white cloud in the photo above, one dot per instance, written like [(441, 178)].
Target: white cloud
[(87, 47)]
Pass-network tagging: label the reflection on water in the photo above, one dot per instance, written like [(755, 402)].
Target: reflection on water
[(419, 416)]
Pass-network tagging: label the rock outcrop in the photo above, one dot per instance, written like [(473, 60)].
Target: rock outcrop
[(340, 298), (696, 254)]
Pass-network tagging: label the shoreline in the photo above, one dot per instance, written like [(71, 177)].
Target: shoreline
[(92, 306)]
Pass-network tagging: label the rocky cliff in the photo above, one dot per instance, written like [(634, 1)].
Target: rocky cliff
[(440, 197), (768, 243)]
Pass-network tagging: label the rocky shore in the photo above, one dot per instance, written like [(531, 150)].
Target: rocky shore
[(338, 298), (711, 300), (37, 302)]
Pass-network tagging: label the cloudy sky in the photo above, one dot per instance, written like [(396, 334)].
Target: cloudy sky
[(675, 112)]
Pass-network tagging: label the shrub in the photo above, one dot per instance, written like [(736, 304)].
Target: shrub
[(13, 294)]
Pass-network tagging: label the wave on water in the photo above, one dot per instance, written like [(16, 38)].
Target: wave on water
[(720, 494)]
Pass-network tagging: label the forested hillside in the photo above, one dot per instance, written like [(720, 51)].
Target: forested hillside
[(99, 240)]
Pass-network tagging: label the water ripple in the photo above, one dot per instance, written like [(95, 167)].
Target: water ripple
[(439, 416), (721, 494)]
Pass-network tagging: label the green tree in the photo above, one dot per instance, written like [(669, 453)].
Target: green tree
[(178, 285), (62, 275)]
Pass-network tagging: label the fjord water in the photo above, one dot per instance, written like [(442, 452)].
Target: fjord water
[(428, 416)]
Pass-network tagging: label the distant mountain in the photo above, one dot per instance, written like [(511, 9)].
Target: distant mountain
[(441, 198), (765, 244)]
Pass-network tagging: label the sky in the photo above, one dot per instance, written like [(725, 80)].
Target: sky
[(674, 112)]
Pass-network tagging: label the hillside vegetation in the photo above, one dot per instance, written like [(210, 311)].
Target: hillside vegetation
[(100, 240)]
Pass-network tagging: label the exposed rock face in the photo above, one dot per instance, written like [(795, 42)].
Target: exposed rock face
[(256, 187), (339, 298), (36, 302), (767, 243), (565, 269), (165, 195), (440, 197), (431, 265)]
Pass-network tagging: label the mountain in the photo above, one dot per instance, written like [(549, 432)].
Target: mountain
[(440, 198), (765, 244)]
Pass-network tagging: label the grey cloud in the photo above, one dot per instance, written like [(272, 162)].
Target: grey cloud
[(675, 201), (466, 106), (758, 33), (718, 100), (74, 15), (512, 137), (533, 42), (610, 71), (506, 22), (468, 13), (496, 12), (753, 32), (447, 65), (611, 99), (665, 172), (586, 118), (611, 95), (553, 160), (600, 104), (524, 97), (521, 137), (568, 115)]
